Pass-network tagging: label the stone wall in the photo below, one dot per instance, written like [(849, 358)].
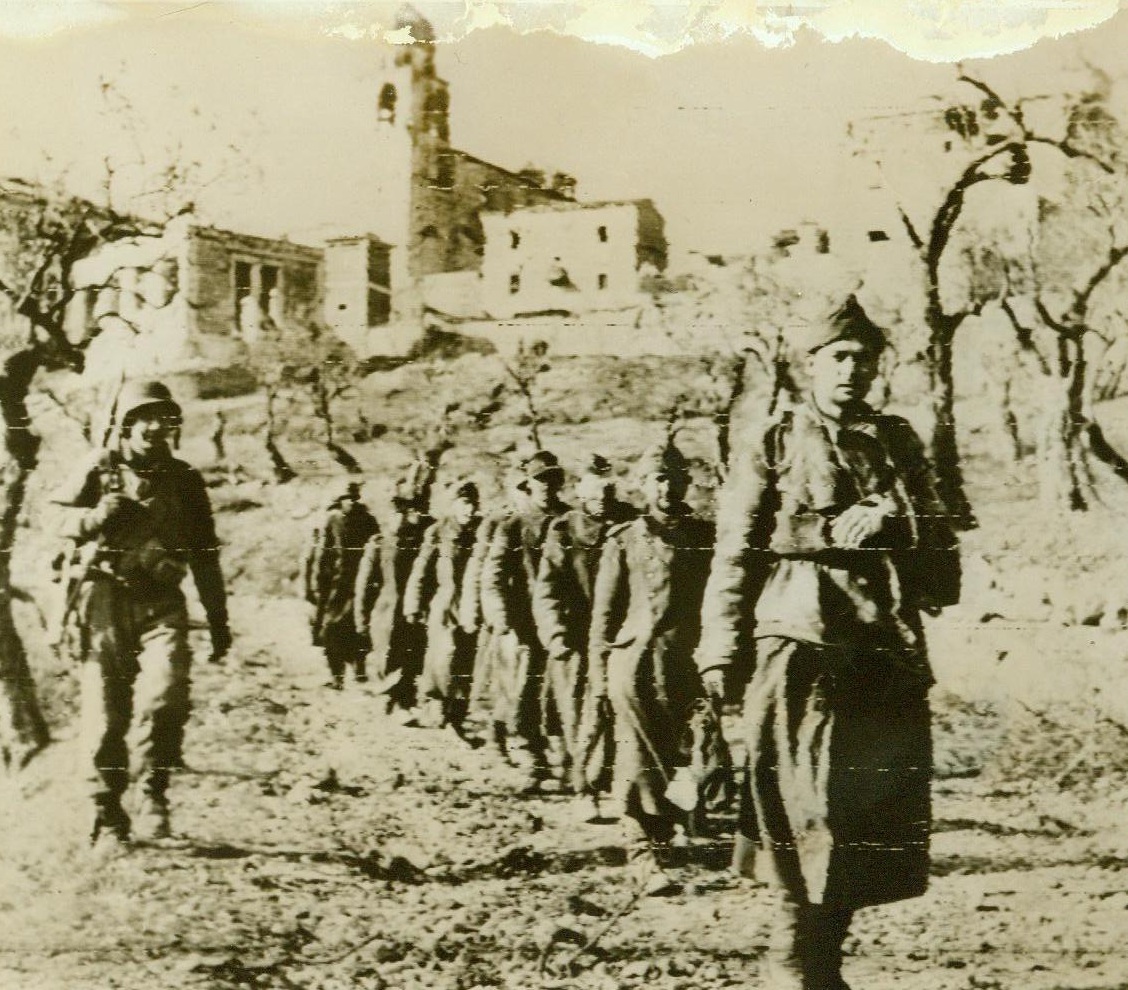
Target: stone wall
[(214, 260)]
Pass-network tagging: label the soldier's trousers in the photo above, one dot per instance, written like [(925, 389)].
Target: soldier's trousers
[(563, 704), (135, 686), (344, 648)]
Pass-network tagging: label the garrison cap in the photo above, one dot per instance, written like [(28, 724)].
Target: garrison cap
[(598, 467), (543, 464), (467, 491), (664, 459), (413, 490), (849, 322)]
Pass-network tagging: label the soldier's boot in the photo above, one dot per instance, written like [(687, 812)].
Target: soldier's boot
[(336, 672), (648, 859), (111, 823), (499, 737), (153, 820), (787, 939), (360, 669), (538, 770), (743, 856), (825, 931), (152, 813)]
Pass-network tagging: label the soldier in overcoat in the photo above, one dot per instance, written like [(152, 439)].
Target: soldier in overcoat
[(508, 580), (831, 541), (434, 590), (646, 623), (396, 645), (487, 658), (140, 520), (330, 573), (565, 582)]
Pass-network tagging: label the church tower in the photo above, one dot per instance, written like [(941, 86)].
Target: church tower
[(412, 121)]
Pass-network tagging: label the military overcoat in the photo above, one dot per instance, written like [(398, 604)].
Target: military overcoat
[(831, 639), (646, 624)]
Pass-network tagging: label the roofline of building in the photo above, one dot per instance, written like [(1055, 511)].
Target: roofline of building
[(352, 238), (509, 172), (572, 204), (256, 242)]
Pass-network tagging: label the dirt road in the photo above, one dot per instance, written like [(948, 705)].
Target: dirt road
[(321, 846)]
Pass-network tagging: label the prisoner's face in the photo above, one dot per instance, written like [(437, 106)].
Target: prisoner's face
[(148, 430), (842, 374), (593, 493), (542, 491), (663, 490), (463, 510)]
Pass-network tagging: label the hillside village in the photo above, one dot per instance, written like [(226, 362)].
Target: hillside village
[(444, 240)]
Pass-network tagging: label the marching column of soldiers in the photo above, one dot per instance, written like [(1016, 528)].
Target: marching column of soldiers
[(596, 642)]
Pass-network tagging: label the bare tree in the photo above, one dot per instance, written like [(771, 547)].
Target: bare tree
[(48, 236), (996, 140), (1072, 321), (296, 362), (528, 364)]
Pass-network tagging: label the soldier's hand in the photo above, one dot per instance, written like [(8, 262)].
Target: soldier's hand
[(221, 643), (110, 508), (714, 684), (853, 526)]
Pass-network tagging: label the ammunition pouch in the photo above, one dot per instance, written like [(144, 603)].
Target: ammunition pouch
[(149, 565)]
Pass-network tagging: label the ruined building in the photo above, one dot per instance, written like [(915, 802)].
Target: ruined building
[(448, 238), (466, 238)]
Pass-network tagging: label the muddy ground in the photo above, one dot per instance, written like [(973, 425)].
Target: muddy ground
[(321, 845)]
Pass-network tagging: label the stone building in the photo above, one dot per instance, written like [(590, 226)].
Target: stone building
[(445, 221), (427, 196), (569, 257), (182, 298), (443, 232)]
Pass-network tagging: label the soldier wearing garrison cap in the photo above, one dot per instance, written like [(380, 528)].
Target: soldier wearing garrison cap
[(396, 644), (847, 322), (565, 582), (646, 621), (331, 568), (508, 589), (831, 540), (434, 593), (141, 521)]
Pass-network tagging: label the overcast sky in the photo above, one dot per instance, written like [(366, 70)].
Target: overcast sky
[(731, 140)]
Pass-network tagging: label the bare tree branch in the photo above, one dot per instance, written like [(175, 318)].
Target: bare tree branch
[(1014, 112)]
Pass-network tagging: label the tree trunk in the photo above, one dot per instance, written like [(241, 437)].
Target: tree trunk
[(1072, 441), (724, 418), (23, 729), (1010, 422), (283, 473), (944, 447)]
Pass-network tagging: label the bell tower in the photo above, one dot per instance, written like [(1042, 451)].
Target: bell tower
[(412, 123)]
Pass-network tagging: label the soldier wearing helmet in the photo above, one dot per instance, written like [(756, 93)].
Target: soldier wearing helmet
[(141, 521)]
